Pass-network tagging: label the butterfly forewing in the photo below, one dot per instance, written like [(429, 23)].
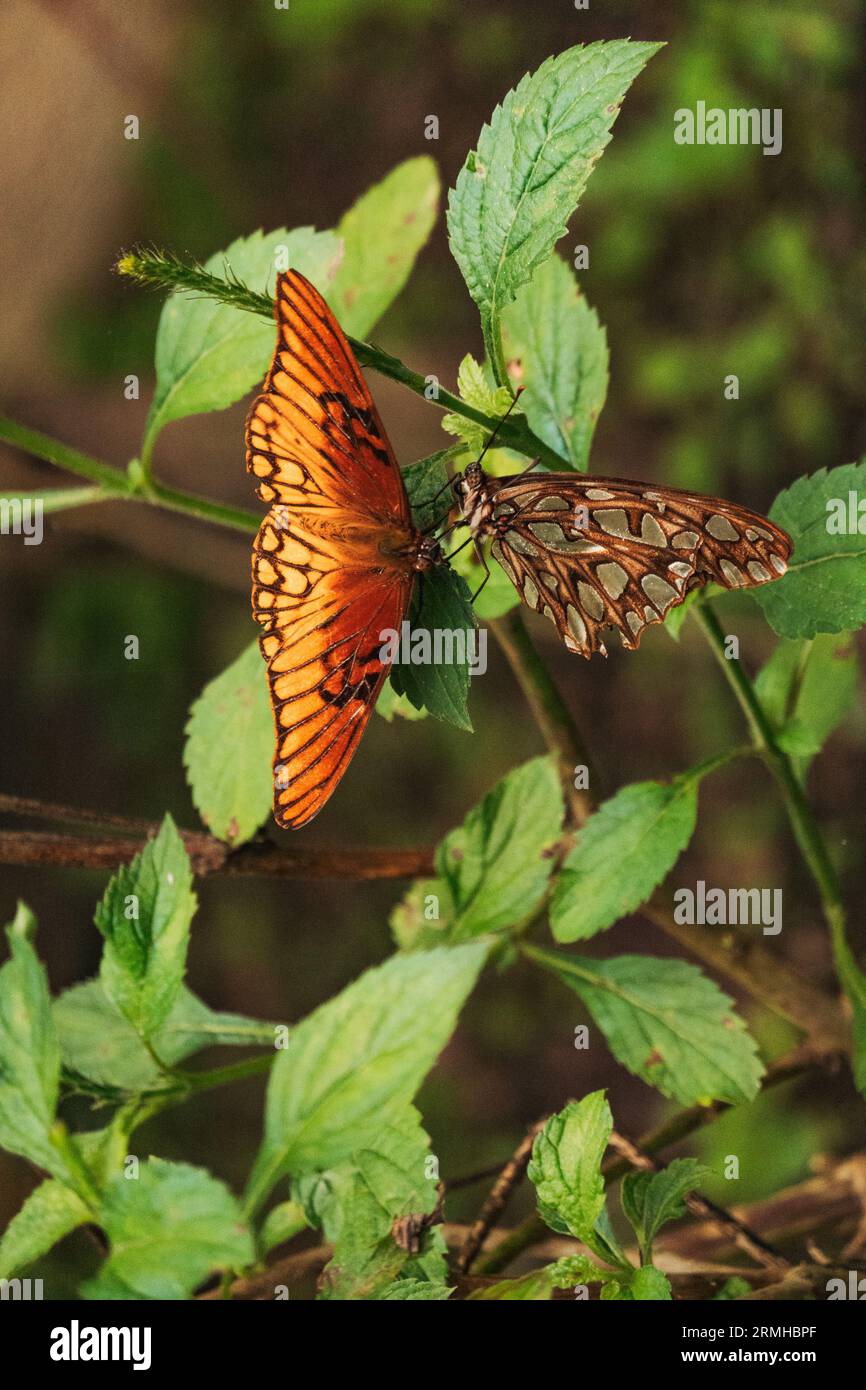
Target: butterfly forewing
[(592, 553), (334, 558)]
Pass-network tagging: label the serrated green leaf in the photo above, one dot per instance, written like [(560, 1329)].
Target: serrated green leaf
[(476, 389), (168, 1229), (229, 748), (565, 1168), (209, 354), (441, 616), (665, 1022), (357, 1061), (414, 1291), (824, 589), (382, 234), (29, 1053), (50, 1212), (98, 1042), (358, 1202), (144, 917), (650, 1200), (515, 194), (497, 864), (623, 852), (806, 689), (557, 350)]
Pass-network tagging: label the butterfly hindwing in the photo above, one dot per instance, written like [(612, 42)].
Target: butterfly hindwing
[(591, 553)]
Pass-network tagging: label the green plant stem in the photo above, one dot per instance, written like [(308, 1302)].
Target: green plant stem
[(128, 485), (549, 710), (60, 499), (113, 481), (803, 823), (149, 267), (81, 1176), (495, 355)]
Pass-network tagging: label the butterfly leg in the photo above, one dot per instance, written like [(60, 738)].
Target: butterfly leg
[(479, 551)]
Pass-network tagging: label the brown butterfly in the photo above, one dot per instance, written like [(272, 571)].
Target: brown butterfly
[(591, 553), (335, 559)]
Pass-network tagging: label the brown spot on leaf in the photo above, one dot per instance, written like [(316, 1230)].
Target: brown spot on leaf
[(655, 1058)]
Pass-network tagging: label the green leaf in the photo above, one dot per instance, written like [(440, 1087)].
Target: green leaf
[(427, 486), (208, 354), (557, 350), (824, 589), (168, 1230), (382, 234), (441, 622), (98, 1042), (422, 920), (622, 853), (650, 1285), (474, 389), (281, 1224), (414, 1291), (515, 194), (391, 706), (534, 1287), (356, 1062), (50, 1212), (650, 1200), (565, 1167), (665, 1022), (145, 916), (806, 689), (731, 1289), (29, 1053), (496, 865), (358, 1202), (229, 748)]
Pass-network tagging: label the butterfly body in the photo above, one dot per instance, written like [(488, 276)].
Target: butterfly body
[(592, 553)]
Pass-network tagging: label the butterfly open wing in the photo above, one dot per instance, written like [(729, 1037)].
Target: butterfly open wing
[(592, 553), (333, 559)]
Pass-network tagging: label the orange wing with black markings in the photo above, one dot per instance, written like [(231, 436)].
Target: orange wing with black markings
[(334, 559)]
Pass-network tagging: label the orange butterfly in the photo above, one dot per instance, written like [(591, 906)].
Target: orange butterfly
[(335, 558)]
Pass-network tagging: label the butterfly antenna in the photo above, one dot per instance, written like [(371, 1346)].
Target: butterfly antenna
[(500, 423)]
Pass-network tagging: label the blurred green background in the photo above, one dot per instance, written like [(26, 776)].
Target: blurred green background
[(704, 261)]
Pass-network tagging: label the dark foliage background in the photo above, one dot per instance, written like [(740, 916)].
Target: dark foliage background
[(704, 261)]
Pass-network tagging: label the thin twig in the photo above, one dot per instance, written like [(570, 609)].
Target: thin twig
[(209, 855), (497, 1199)]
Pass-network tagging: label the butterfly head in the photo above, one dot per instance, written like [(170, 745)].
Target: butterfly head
[(471, 494)]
